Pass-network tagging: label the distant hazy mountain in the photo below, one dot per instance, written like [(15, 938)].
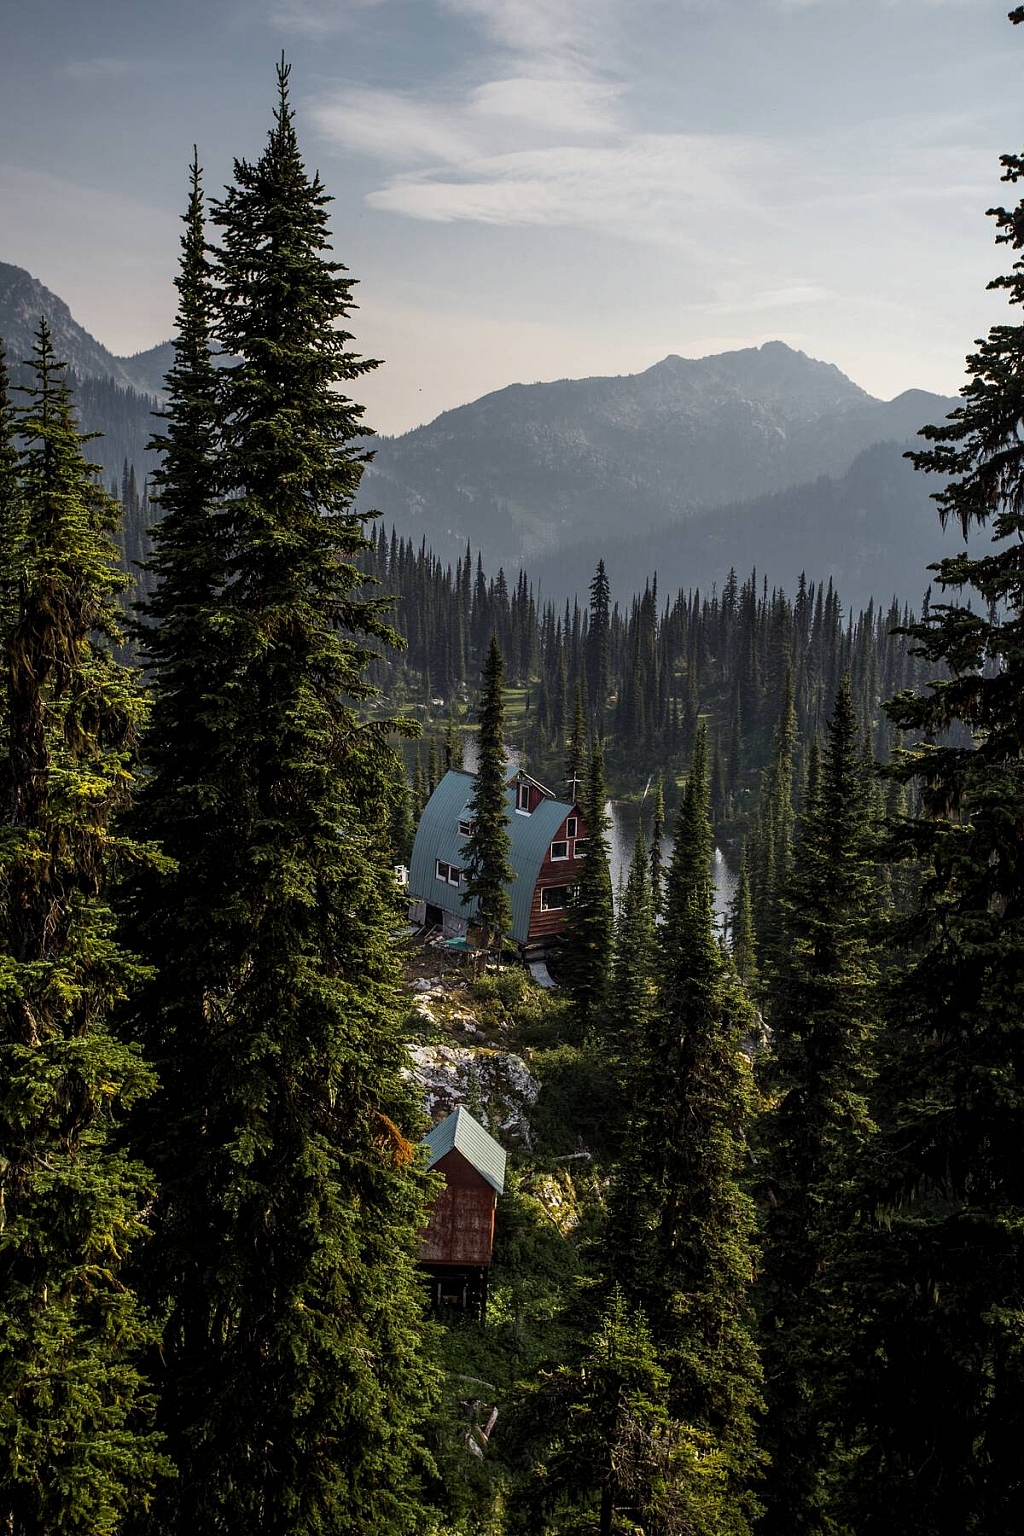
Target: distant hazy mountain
[(535, 469), (874, 531), (758, 457), (148, 369), (114, 395), (23, 299)]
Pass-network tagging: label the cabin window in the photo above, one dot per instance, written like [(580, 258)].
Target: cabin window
[(580, 850), (449, 873), (554, 897), (523, 798), (465, 828), (570, 827), (560, 850)]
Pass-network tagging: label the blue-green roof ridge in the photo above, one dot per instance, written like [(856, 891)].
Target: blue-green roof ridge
[(461, 1133)]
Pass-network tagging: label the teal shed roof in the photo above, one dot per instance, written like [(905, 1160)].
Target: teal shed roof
[(461, 1133), (438, 837)]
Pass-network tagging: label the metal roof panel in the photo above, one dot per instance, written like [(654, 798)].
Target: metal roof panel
[(461, 1133)]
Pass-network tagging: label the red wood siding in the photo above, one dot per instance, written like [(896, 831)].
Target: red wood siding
[(461, 1225), (544, 925)]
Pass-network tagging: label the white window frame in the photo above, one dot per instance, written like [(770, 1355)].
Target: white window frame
[(444, 872), (545, 906), (570, 827), (559, 842), (523, 804)]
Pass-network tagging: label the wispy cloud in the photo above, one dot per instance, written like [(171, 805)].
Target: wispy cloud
[(572, 30), (548, 104), (316, 18), (396, 127), (105, 67), (647, 186)]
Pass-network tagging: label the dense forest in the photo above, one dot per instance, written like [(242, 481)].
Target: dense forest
[(758, 1258), (643, 678)]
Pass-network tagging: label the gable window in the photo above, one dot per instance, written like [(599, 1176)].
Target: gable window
[(580, 850), (570, 827), (554, 897), (449, 873), (560, 850), (523, 798)]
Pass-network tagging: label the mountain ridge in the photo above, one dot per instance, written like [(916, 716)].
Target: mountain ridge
[(531, 469), (541, 475), (24, 299)]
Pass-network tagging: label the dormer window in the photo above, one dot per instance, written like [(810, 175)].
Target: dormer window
[(465, 828), (523, 798)]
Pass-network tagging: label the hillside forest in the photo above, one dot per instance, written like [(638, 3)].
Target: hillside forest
[(757, 1260)]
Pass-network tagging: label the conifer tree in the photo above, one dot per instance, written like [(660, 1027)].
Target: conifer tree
[(403, 828), (743, 944), (453, 754), (680, 1235), (188, 567), (657, 834), (598, 645), (293, 1383), (10, 505), (774, 829), (488, 848), (936, 1416), (576, 753), (823, 1017), (630, 991), (76, 1442), (586, 949), (605, 1449)]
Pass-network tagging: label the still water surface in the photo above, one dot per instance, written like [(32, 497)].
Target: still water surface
[(623, 815)]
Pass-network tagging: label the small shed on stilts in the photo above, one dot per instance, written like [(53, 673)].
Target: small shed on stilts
[(456, 1246)]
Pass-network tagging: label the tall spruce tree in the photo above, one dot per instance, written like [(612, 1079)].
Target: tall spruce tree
[(823, 1020), (606, 1454), (631, 990), (76, 1443), (936, 1314), (10, 504), (293, 1383), (187, 570), (585, 955), (488, 848), (657, 833), (576, 751), (773, 832), (598, 646), (742, 939), (680, 1233)]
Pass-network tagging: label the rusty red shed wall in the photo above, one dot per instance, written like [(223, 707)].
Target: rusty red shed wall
[(461, 1225)]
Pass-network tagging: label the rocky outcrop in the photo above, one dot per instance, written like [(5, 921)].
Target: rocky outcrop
[(495, 1086)]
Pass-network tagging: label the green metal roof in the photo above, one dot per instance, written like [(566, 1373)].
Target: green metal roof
[(437, 837), (466, 1135)]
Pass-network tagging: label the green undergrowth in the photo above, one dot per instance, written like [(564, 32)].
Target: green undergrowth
[(546, 1223)]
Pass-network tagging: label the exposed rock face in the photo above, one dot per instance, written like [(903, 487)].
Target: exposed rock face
[(495, 1086), (23, 300)]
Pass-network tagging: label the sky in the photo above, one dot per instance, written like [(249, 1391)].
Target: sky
[(539, 189)]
